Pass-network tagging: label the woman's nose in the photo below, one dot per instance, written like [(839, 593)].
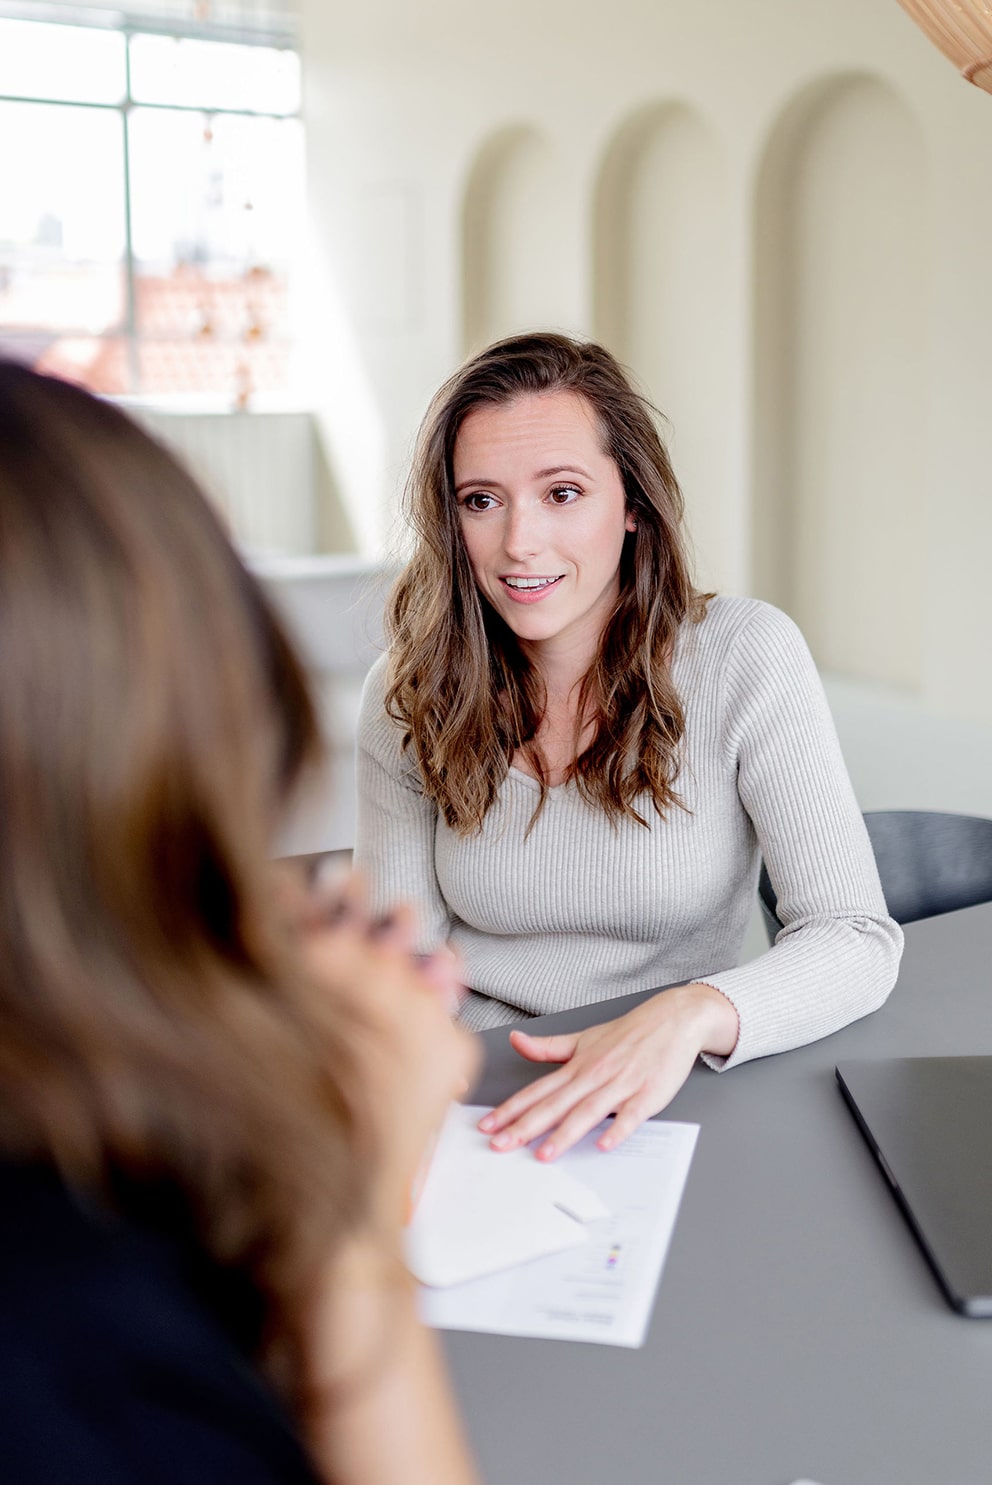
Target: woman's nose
[(521, 534)]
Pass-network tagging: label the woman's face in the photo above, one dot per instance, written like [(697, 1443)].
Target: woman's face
[(544, 517)]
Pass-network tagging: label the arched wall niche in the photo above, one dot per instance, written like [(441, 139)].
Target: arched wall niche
[(841, 296), (512, 239), (661, 303)]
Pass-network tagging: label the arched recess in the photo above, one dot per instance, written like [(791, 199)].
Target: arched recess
[(842, 292), (661, 301), (518, 261)]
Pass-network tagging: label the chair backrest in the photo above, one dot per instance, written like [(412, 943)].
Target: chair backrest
[(929, 863)]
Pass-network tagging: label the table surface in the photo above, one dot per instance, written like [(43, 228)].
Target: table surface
[(798, 1331)]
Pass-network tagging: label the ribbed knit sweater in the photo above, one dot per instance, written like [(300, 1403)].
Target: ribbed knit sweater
[(583, 909)]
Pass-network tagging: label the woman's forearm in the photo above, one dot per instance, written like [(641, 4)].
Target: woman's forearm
[(384, 1412)]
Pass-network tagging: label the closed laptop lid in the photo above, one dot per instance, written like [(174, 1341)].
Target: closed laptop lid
[(928, 1121)]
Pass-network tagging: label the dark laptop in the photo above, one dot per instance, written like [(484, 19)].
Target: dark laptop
[(928, 1122)]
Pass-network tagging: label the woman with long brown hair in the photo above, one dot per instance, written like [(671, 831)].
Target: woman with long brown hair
[(215, 1084), (573, 760)]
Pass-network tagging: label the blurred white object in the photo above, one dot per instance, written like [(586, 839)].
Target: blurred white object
[(480, 1212)]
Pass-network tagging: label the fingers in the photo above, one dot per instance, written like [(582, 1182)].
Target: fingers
[(633, 1066), (396, 930), (538, 1049), (587, 1115), (337, 902), (518, 1105), (565, 1116), (410, 1057), (444, 971), (544, 1048), (583, 1117), (563, 1132), (550, 1102), (629, 1118)]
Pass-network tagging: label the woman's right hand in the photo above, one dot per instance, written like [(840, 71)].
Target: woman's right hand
[(384, 1412), (414, 1060)]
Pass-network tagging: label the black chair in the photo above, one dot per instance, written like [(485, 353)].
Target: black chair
[(929, 863)]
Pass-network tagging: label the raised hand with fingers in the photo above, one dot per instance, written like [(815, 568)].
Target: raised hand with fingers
[(416, 1059), (631, 1067), (382, 1409)]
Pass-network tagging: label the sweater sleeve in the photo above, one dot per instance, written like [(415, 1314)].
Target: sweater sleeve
[(837, 955), (396, 824)]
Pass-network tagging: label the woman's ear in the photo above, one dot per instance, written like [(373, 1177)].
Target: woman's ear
[(630, 524)]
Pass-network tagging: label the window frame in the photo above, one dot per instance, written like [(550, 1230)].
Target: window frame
[(128, 28)]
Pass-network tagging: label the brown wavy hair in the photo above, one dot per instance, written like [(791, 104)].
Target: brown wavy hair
[(157, 1033), (459, 682)]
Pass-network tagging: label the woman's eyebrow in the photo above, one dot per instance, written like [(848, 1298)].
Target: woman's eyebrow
[(489, 484), (543, 474), (540, 474)]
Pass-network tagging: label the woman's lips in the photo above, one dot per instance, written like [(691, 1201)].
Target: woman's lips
[(531, 594)]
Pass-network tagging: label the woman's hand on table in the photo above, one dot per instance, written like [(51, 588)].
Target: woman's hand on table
[(632, 1066)]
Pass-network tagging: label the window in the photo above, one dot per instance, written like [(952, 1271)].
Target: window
[(151, 202)]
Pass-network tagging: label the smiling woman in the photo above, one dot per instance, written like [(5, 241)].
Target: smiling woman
[(573, 761), (555, 499)]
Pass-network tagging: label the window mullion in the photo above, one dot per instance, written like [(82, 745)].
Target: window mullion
[(130, 300)]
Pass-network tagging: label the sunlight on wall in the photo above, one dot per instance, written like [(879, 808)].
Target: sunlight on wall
[(661, 300), (842, 300), (511, 248)]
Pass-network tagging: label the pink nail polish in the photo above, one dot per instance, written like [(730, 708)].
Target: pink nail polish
[(486, 1123), (546, 1152), (501, 1141)]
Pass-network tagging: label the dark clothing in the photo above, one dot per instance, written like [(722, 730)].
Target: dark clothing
[(124, 1356)]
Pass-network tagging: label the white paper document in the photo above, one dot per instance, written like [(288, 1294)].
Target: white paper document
[(480, 1212), (600, 1283)]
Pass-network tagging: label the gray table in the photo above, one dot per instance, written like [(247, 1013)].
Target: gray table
[(797, 1330)]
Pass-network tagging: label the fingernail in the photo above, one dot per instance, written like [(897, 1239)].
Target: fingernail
[(546, 1152), (501, 1141), (605, 1142), (487, 1123)]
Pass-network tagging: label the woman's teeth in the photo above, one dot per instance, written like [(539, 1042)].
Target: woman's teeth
[(543, 582)]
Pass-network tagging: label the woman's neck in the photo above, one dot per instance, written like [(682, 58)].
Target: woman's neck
[(562, 734), (562, 667)]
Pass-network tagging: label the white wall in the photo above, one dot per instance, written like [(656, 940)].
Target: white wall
[(333, 607), (779, 212), (843, 341), (261, 468)]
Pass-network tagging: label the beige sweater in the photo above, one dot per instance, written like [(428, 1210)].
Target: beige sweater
[(583, 910)]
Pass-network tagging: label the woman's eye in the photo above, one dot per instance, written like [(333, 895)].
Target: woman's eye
[(563, 494), (479, 500)]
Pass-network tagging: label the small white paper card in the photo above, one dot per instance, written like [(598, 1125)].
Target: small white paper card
[(601, 1289), (480, 1212)]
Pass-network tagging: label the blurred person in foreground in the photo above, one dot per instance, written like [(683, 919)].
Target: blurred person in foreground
[(216, 1084)]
